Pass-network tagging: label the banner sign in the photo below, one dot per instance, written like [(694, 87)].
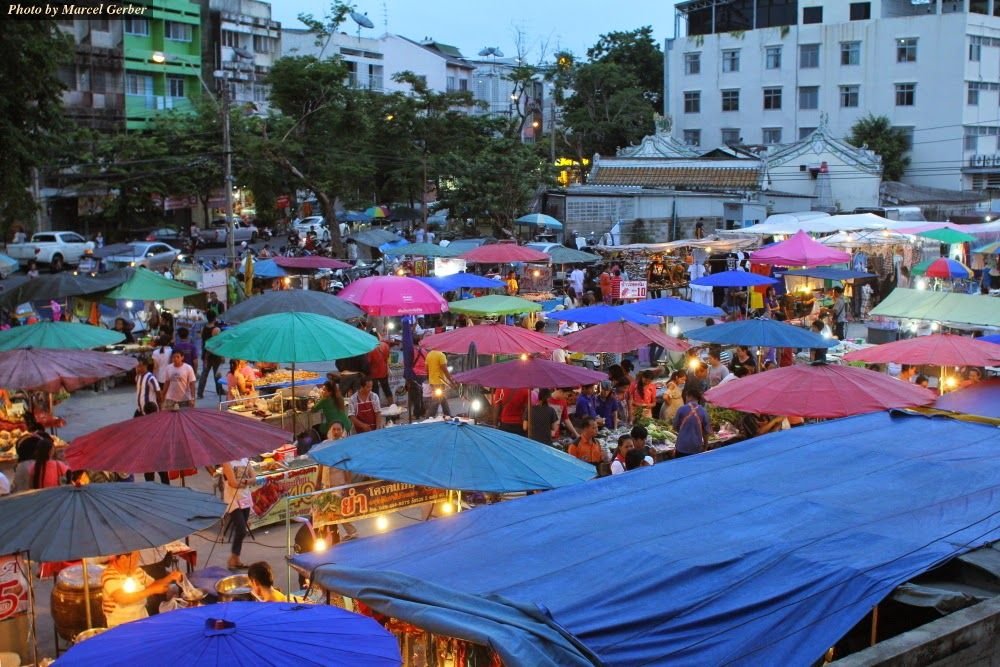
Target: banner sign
[(291, 482), (633, 289), (368, 499), (13, 589)]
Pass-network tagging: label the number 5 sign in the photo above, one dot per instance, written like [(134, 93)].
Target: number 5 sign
[(13, 589)]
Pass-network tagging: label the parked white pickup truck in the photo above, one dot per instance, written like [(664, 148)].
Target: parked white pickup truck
[(56, 249), (216, 233)]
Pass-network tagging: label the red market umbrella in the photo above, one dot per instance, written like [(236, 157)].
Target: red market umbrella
[(799, 250), (933, 350), (387, 296), (522, 373), (174, 440), (818, 391), (620, 336), (492, 339), (51, 370), (947, 268), (504, 253), (310, 263)]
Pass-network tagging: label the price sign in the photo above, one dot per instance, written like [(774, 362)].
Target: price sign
[(633, 289), (13, 589)]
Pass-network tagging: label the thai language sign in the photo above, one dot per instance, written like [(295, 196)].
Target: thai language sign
[(369, 499)]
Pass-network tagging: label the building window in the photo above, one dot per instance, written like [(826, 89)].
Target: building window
[(772, 57), (850, 53), (772, 98), (175, 86), (975, 52), (177, 32), (971, 142), (808, 97), (906, 94), (692, 101), (463, 84), (137, 27), (263, 44), (731, 60), (692, 63), (907, 132), (260, 93), (805, 132), (906, 50), (692, 137), (730, 136), (808, 56), (230, 38), (812, 15), (136, 84), (861, 11), (730, 100), (772, 135), (972, 97), (451, 84), (849, 96)]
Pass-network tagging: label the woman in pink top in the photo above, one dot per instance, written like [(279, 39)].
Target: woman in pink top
[(46, 472)]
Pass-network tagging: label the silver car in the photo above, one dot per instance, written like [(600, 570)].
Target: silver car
[(153, 255)]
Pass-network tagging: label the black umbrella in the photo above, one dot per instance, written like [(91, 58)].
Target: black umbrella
[(61, 285), (299, 301)]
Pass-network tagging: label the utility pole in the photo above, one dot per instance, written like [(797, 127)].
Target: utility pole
[(227, 177)]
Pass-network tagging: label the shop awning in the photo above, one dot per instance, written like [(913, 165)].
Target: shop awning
[(974, 309), (828, 273), (766, 552)]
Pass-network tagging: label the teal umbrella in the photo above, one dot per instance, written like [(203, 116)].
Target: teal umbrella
[(539, 219), (58, 336), (146, 285), (562, 255), (292, 338)]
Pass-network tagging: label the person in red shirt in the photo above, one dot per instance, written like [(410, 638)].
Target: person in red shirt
[(560, 402), (378, 369), (511, 407), (605, 282)]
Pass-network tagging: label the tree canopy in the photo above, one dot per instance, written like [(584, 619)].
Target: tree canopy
[(891, 143)]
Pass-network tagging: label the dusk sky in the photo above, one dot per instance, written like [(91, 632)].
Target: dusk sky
[(474, 24)]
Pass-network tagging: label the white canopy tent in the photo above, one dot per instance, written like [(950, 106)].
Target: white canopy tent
[(813, 223)]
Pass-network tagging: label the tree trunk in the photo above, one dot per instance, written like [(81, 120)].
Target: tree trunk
[(330, 214)]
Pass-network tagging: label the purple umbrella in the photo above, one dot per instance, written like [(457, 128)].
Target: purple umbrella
[(522, 373)]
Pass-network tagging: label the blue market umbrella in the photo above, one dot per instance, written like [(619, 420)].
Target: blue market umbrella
[(760, 333), (669, 306), (733, 279), (353, 216), (991, 339), (982, 399), (282, 634), (266, 268), (602, 314), (458, 281), (455, 455)]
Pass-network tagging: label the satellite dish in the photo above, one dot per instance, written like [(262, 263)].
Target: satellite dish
[(362, 20), (491, 51)]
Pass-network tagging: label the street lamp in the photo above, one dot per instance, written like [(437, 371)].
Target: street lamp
[(160, 57)]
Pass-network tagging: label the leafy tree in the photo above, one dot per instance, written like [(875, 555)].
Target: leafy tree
[(31, 114), (639, 54), (891, 143)]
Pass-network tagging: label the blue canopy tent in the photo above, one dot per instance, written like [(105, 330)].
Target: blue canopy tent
[(982, 399), (828, 273), (457, 281), (770, 551), (991, 339), (266, 268), (669, 306), (733, 279), (602, 314)]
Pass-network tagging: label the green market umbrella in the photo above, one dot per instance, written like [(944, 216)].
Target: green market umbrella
[(948, 235), (146, 285), (59, 336), (493, 305), (423, 250), (292, 338), (563, 255)]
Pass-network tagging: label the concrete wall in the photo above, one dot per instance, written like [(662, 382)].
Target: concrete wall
[(967, 638)]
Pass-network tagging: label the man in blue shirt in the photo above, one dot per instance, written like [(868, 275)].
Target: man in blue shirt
[(586, 404), (691, 424)]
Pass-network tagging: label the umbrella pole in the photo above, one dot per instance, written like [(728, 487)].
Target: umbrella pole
[(86, 593), (34, 610), (293, 400), (940, 380)]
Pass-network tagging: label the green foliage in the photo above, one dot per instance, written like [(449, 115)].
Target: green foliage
[(31, 114), (887, 141), (639, 55)]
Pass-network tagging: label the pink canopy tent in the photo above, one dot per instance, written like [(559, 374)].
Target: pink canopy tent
[(799, 250)]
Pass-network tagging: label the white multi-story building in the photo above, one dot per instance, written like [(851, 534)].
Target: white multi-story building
[(248, 44), (363, 56), (763, 72)]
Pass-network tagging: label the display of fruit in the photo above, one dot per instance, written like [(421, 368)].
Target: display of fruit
[(282, 376)]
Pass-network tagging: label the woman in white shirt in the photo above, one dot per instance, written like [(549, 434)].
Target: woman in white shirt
[(238, 481), (161, 359)]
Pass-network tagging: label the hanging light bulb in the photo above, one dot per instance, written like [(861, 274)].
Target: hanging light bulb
[(447, 507), (130, 585), (524, 356), (476, 405), (129, 305), (390, 326), (674, 330)]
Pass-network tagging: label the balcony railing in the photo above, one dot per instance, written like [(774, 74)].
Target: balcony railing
[(364, 81)]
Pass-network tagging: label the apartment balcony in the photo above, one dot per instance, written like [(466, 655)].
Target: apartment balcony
[(365, 81), (84, 99)]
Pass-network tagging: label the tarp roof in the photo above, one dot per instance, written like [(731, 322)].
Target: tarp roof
[(974, 309), (759, 553), (828, 273)]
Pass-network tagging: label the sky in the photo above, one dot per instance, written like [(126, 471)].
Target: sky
[(471, 25)]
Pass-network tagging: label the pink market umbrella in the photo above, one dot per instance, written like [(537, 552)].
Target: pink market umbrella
[(620, 336), (387, 296), (522, 373), (174, 440), (492, 339), (311, 263), (51, 370), (504, 253), (818, 391), (946, 268), (799, 250), (933, 350)]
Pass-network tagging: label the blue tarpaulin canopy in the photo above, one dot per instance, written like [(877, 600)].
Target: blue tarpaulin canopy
[(828, 273), (457, 281), (766, 552), (602, 314), (733, 279), (669, 306), (454, 455), (982, 399)]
